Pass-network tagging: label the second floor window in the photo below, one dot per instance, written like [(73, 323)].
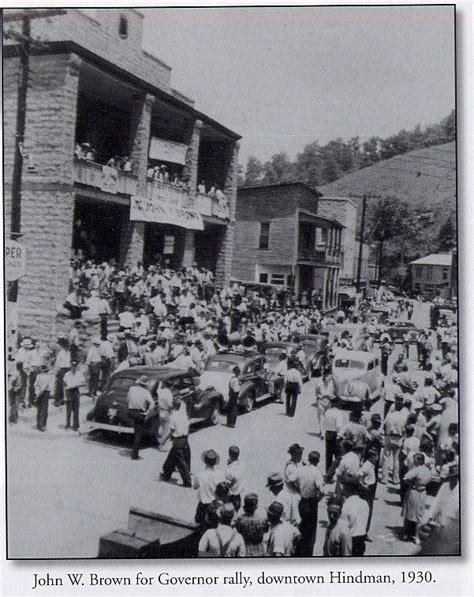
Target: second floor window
[(429, 274), (264, 239), (419, 270)]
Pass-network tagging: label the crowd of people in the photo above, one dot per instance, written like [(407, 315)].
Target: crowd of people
[(181, 318), (84, 151), (164, 174)]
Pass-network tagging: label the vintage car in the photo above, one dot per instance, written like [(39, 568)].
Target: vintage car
[(397, 331), (356, 376), (110, 412), (316, 349), (254, 377), (272, 351)]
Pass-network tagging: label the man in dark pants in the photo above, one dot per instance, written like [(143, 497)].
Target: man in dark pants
[(293, 387), (234, 391), (139, 401), (333, 426), (385, 349), (74, 380), (179, 456), (311, 487), (44, 387)]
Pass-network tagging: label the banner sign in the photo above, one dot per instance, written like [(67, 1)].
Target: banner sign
[(144, 210), (109, 180), (167, 151)]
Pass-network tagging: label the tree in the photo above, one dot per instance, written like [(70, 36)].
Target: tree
[(446, 239), (308, 165), (278, 169), (253, 171)]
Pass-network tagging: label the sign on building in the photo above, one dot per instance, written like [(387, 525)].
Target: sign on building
[(15, 260), (167, 151), (145, 210)]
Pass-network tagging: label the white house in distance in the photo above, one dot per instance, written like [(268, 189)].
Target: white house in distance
[(431, 275)]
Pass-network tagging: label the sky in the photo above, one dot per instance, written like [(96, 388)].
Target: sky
[(284, 77)]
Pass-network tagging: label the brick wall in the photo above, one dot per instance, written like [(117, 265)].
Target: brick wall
[(101, 36), (47, 191)]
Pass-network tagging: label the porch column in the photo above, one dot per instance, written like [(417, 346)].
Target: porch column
[(133, 234), (190, 170), (189, 248), (224, 260)]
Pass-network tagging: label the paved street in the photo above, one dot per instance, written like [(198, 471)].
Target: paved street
[(66, 490)]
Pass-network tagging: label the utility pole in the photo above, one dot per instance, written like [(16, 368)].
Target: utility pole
[(26, 43), (364, 198)]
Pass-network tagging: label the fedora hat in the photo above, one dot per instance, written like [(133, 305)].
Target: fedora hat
[(142, 381), (275, 509), (210, 457), (274, 480), (295, 449), (27, 343)]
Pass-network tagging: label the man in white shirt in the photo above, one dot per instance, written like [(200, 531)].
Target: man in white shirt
[(223, 541), (283, 536), (74, 384), (179, 456), (394, 430), (165, 406), (235, 476), (348, 466), (206, 483), (289, 500), (334, 420), (293, 387), (311, 487), (356, 512), (126, 319), (139, 400), (94, 364)]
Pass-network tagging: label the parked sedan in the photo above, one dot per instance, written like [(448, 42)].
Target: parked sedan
[(356, 376), (316, 349), (110, 412), (254, 378)]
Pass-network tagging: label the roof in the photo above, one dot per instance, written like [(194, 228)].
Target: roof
[(361, 355), (162, 372), (282, 184), (444, 259)]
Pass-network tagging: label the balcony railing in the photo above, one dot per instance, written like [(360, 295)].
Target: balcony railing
[(208, 206), (316, 255), (105, 178), (167, 193)]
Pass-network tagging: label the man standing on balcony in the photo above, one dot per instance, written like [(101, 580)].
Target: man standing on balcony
[(202, 188)]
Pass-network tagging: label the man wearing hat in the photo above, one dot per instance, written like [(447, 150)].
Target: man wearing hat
[(44, 387), (252, 527), (283, 536), (62, 364), (179, 456), (235, 476), (107, 356), (74, 382), (206, 482), (139, 400), (293, 387), (394, 428), (22, 362), (94, 363), (333, 422), (293, 467), (223, 541), (289, 500)]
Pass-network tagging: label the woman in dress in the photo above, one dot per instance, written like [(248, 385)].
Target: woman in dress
[(413, 509)]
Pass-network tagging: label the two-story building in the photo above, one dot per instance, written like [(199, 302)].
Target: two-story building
[(431, 276), (280, 239), (112, 159)]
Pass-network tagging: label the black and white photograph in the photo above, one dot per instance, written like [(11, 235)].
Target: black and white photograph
[(231, 282)]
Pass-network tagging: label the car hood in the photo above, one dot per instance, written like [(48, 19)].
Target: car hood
[(340, 375), (218, 379)]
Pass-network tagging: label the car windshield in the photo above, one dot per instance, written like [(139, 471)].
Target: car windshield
[(349, 364), (223, 366)]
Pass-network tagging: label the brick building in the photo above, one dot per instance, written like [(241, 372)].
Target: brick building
[(281, 239), (431, 276), (92, 83)]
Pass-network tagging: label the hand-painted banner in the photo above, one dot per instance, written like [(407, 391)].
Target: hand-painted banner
[(144, 210), (167, 151)]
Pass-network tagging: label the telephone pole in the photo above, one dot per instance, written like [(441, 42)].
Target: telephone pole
[(364, 198)]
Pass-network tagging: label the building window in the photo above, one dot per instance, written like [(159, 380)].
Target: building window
[(168, 246), (263, 278), (417, 286), (264, 240), (419, 271), (278, 279), (123, 27), (429, 274), (445, 273)]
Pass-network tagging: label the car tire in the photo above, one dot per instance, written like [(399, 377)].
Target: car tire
[(248, 402)]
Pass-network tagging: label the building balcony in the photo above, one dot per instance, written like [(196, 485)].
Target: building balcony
[(167, 193), (319, 256), (104, 178), (208, 206)]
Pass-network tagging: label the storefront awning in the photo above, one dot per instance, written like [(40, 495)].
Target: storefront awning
[(144, 210)]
